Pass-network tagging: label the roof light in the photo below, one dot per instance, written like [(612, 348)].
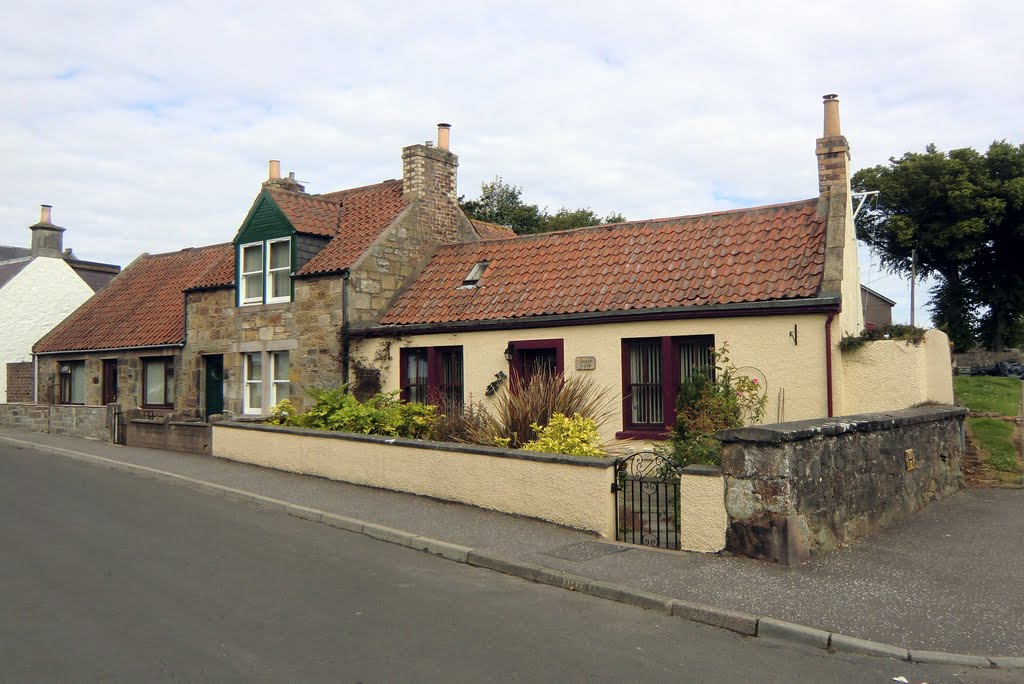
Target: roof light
[(475, 273)]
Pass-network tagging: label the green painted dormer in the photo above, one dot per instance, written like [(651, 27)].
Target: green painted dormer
[(265, 254)]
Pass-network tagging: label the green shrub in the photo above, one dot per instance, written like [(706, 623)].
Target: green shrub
[(517, 412), (575, 436), (336, 409), (708, 402), (897, 331)]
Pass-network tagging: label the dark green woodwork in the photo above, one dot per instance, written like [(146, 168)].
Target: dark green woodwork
[(265, 221), (214, 371)]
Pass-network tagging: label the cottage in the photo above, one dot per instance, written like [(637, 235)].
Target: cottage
[(638, 304), (39, 287)]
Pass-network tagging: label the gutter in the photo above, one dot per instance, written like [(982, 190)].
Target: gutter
[(828, 305), (106, 349), (35, 378)]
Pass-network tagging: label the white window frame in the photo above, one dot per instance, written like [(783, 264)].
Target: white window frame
[(275, 384), (243, 297), (269, 272), (247, 382)]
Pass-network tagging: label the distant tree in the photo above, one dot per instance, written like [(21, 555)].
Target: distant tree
[(502, 203), (962, 213)]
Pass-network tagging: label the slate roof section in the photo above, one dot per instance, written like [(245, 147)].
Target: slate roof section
[(365, 213), (749, 255), (492, 231), (9, 269), (7, 252), (144, 306), (95, 275)]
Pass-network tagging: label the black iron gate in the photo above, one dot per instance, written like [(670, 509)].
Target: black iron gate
[(646, 491), (117, 426)]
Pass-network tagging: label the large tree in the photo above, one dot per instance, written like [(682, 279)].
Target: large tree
[(962, 214), (502, 203)]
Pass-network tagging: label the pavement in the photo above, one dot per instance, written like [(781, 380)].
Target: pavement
[(943, 586)]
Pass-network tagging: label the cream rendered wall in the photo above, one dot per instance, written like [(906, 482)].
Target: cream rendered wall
[(851, 319), (939, 364), (42, 295), (761, 342), (574, 495), (885, 375)]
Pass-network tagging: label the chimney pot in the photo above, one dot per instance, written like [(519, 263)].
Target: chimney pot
[(832, 127), (443, 135), (275, 169), (44, 213)]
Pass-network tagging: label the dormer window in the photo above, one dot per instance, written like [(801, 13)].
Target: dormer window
[(475, 274), (264, 272)]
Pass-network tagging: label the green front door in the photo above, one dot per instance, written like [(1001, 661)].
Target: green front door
[(214, 371)]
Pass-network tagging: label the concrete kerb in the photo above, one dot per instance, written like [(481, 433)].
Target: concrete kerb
[(734, 621)]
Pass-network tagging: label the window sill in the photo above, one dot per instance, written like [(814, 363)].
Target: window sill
[(269, 306), (649, 435)]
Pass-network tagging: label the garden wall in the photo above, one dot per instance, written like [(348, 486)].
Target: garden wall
[(164, 433), (794, 489), (571, 491), (90, 422), (885, 375)]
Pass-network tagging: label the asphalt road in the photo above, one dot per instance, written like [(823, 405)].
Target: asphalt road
[(109, 577)]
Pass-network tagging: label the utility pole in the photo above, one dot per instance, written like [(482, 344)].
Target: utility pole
[(913, 284)]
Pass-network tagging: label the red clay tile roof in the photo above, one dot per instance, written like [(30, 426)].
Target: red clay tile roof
[(309, 214), (365, 213), (491, 231), (748, 255), (143, 306)]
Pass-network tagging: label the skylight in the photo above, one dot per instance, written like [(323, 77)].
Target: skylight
[(475, 273)]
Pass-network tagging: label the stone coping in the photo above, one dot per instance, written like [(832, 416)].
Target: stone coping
[(161, 421), (702, 469), (865, 422), (586, 461)]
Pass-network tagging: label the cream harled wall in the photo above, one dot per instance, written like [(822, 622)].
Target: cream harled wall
[(795, 372), (890, 374)]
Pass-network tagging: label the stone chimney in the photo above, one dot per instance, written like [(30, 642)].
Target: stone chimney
[(429, 177), (47, 239), (840, 274), (832, 149), (274, 179)]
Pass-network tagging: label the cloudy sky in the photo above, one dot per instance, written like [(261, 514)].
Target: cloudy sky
[(148, 125)]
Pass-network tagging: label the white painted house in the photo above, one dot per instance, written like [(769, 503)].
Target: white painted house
[(39, 287)]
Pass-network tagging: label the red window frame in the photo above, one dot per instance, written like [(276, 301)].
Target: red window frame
[(436, 389), (670, 370), (517, 368)]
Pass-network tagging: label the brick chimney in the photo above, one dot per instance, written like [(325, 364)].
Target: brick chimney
[(47, 239), (429, 178), (274, 179)]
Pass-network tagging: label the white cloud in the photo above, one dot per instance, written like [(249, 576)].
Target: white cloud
[(148, 125)]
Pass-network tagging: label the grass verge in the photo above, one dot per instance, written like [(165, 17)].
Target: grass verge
[(986, 394), (995, 437)]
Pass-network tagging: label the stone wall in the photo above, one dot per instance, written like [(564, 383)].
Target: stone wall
[(795, 489), (129, 374), (19, 381), (31, 417), (165, 433), (90, 422), (309, 328)]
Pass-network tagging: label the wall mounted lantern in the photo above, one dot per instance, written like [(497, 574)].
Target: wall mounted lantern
[(510, 352)]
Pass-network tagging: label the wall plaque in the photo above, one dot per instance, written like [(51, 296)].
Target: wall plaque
[(586, 363)]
